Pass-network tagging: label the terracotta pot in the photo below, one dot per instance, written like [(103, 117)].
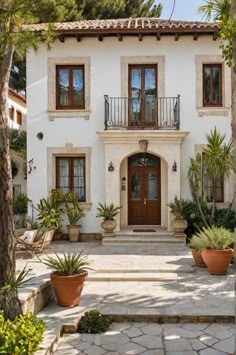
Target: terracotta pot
[(68, 288), (198, 258), (217, 261), (73, 232), (109, 225), (179, 225)]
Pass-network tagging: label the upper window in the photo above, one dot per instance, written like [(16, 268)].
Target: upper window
[(19, 118), (11, 113), (212, 84), (70, 175), (70, 87)]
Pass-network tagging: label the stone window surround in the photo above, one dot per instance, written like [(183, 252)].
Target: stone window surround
[(226, 94), (159, 60), (52, 63), (69, 151), (199, 149)]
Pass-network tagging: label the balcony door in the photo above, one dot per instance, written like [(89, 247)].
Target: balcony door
[(142, 96), (144, 190)]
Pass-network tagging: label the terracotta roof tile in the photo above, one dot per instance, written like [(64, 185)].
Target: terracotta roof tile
[(128, 24)]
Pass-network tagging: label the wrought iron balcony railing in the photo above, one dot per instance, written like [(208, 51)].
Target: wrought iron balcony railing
[(149, 113)]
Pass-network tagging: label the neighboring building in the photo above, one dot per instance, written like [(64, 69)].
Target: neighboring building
[(17, 120), (123, 105)]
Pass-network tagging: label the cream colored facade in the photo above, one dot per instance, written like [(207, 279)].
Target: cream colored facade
[(81, 132)]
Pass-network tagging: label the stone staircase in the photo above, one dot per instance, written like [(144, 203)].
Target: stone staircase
[(129, 237)]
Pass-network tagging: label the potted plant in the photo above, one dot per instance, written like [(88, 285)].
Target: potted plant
[(49, 214), (177, 208), (215, 245), (195, 245), (73, 212), (68, 275), (107, 213)]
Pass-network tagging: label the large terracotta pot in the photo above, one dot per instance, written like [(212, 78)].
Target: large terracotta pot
[(68, 288), (179, 225), (109, 225), (217, 261), (73, 232), (198, 258)]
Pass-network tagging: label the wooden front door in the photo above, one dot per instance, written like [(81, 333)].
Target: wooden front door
[(144, 190)]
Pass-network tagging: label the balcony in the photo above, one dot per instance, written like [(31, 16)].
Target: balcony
[(160, 113)]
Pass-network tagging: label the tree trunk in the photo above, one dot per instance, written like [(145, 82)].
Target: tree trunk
[(7, 258), (233, 78)]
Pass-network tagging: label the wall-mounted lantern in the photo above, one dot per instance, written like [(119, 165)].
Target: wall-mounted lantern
[(111, 167), (174, 166)]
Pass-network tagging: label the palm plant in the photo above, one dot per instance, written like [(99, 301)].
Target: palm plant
[(217, 159), (178, 207), (107, 212)]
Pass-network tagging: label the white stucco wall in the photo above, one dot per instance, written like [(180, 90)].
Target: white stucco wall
[(105, 62)]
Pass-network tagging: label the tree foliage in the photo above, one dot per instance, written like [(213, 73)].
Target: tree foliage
[(219, 10)]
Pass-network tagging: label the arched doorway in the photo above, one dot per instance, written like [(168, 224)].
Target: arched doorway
[(144, 189)]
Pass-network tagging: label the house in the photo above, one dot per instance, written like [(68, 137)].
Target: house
[(122, 105), (17, 120)]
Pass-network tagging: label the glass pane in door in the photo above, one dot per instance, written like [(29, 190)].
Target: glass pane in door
[(152, 186), (150, 94), (136, 187), (135, 92)]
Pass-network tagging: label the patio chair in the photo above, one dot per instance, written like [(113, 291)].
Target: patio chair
[(35, 241)]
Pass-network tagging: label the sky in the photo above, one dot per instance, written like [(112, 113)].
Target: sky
[(184, 9)]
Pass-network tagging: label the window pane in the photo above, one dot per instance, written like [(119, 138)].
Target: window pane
[(79, 178), (135, 187), (63, 172), (150, 94), (216, 85), (63, 80), (207, 85), (135, 103), (78, 87), (152, 186)]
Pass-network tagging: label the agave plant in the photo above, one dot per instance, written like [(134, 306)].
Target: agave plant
[(107, 212), (68, 264), (214, 238)]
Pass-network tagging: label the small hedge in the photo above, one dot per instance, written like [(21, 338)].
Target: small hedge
[(94, 322), (21, 336)]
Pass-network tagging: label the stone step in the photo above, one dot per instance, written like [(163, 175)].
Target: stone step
[(131, 276), (167, 269), (128, 239)]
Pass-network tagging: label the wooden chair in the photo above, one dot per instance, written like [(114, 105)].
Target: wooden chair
[(41, 241)]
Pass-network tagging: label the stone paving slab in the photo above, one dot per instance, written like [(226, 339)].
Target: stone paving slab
[(153, 339)]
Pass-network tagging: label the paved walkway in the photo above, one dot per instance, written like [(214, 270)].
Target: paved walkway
[(148, 284), (153, 339)]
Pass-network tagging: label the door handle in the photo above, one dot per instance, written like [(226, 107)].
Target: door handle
[(145, 201)]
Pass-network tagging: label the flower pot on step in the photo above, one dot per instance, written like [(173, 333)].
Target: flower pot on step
[(217, 261), (109, 226), (73, 232), (68, 288), (179, 225)]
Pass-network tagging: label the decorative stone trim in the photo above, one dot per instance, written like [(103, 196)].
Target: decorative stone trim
[(68, 151), (226, 91), (52, 62), (159, 60)]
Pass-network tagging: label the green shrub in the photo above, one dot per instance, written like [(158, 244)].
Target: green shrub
[(94, 322), (225, 217), (215, 238), (21, 336), (20, 204)]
